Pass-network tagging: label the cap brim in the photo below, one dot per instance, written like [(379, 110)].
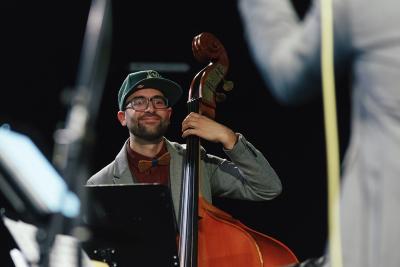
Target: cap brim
[(171, 90)]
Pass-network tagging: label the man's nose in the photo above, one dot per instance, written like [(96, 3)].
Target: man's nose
[(150, 107)]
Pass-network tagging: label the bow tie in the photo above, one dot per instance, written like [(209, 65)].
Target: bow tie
[(144, 165)]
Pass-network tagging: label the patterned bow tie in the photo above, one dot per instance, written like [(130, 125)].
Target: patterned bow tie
[(144, 165)]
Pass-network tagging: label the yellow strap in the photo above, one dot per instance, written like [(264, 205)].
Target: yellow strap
[(98, 263), (331, 133)]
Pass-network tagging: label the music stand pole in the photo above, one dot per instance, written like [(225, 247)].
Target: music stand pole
[(73, 143)]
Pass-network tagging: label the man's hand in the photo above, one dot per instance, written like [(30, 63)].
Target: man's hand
[(208, 129)]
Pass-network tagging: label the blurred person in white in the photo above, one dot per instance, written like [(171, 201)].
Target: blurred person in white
[(286, 50)]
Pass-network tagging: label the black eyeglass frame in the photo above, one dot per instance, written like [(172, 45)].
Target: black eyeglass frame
[(148, 100)]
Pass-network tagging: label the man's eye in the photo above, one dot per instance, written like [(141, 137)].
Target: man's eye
[(138, 101)]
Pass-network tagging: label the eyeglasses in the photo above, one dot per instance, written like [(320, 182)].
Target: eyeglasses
[(141, 103)]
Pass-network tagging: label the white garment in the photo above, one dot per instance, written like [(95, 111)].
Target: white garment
[(367, 36)]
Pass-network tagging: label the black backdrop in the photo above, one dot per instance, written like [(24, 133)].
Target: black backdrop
[(41, 55)]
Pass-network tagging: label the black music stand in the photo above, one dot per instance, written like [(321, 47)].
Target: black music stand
[(131, 225)]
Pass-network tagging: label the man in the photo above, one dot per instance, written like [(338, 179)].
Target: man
[(145, 102), (367, 38)]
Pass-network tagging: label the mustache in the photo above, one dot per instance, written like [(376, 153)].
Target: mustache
[(149, 115)]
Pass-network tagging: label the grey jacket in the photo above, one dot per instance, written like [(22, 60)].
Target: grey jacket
[(247, 176)]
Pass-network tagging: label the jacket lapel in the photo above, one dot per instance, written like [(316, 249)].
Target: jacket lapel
[(122, 174), (175, 173)]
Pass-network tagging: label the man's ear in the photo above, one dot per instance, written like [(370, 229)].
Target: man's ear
[(121, 117), (169, 112)]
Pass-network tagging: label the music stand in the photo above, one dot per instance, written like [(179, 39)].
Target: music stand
[(131, 225)]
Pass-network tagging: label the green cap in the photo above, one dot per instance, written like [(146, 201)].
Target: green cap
[(148, 79)]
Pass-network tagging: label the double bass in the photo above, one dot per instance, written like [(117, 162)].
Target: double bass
[(208, 236)]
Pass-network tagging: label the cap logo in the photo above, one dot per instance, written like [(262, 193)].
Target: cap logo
[(153, 74)]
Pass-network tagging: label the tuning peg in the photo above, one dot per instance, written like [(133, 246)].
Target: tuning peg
[(228, 85), (220, 97)]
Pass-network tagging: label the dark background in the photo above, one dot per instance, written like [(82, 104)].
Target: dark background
[(43, 42)]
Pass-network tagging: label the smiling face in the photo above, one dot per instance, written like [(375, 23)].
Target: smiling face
[(150, 124)]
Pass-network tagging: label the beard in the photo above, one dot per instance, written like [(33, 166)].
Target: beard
[(149, 134)]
